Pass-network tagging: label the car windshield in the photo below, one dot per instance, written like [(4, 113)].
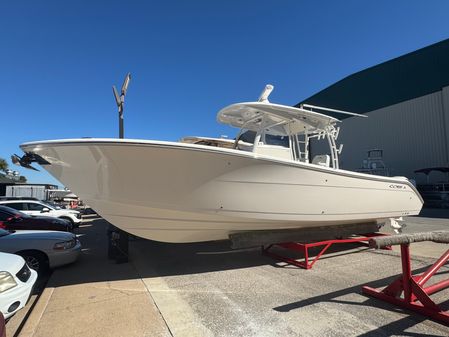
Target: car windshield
[(14, 212), (3, 232), (50, 205)]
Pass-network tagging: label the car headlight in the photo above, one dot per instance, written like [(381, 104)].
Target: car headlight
[(76, 214), (6, 281), (65, 245)]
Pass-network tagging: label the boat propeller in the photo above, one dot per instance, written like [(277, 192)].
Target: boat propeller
[(26, 160)]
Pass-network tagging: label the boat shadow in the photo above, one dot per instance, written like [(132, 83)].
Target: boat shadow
[(148, 258), (155, 258)]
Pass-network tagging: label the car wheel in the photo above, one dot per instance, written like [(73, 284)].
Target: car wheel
[(35, 260), (69, 220)]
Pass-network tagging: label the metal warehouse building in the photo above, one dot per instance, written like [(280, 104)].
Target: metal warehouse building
[(407, 102)]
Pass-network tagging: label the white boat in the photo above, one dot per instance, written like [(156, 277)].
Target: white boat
[(202, 189), (374, 163)]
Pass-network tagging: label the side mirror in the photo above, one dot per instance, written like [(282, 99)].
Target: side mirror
[(45, 210)]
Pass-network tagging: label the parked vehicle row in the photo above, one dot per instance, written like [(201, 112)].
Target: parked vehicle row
[(11, 219), (41, 208), (41, 249), (32, 240)]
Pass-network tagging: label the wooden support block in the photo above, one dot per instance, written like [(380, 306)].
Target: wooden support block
[(266, 237)]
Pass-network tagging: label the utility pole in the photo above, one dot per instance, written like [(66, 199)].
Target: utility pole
[(118, 239)]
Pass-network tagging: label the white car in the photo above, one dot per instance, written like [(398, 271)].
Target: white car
[(40, 208), (16, 283), (41, 249)]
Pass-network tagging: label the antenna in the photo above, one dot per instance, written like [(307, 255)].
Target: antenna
[(332, 110), (265, 93)]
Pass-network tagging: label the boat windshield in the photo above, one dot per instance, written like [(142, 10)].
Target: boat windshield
[(277, 140), (248, 136)]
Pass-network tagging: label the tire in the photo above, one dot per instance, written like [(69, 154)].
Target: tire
[(68, 219), (74, 225), (35, 260)]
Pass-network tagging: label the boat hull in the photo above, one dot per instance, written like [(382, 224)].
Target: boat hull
[(175, 192)]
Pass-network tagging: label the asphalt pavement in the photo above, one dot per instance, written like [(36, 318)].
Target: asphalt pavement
[(207, 289)]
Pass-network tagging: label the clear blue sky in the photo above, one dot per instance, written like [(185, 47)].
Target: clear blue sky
[(188, 59)]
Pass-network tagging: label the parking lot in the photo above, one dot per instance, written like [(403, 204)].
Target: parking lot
[(206, 289)]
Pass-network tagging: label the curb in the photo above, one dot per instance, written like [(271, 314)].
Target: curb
[(32, 322)]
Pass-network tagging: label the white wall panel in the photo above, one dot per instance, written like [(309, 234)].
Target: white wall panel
[(413, 135)]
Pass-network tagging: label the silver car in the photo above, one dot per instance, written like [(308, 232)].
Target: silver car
[(41, 249)]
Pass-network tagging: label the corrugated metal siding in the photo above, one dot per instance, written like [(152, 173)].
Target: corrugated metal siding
[(412, 135), (26, 191), (445, 107)]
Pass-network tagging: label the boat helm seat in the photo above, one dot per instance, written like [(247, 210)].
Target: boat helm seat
[(322, 160)]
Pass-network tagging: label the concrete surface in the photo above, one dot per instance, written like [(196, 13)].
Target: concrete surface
[(206, 289), (240, 296), (95, 296)]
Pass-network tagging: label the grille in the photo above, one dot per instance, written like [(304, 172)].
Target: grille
[(24, 273)]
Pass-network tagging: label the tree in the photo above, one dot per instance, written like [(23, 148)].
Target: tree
[(3, 165), (22, 179)]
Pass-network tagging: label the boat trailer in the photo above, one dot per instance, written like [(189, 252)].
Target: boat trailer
[(304, 249), (303, 239), (410, 291)]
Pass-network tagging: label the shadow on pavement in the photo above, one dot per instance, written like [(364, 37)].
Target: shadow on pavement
[(167, 258), (436, 213), (163, 259), (394, 328)]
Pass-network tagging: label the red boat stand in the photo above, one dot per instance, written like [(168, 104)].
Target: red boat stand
[(415, 294), (304, 249)]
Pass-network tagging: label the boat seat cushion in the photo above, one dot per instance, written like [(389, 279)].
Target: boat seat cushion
[(322, 160)]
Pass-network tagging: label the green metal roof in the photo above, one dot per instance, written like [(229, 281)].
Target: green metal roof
[(412, 75)]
